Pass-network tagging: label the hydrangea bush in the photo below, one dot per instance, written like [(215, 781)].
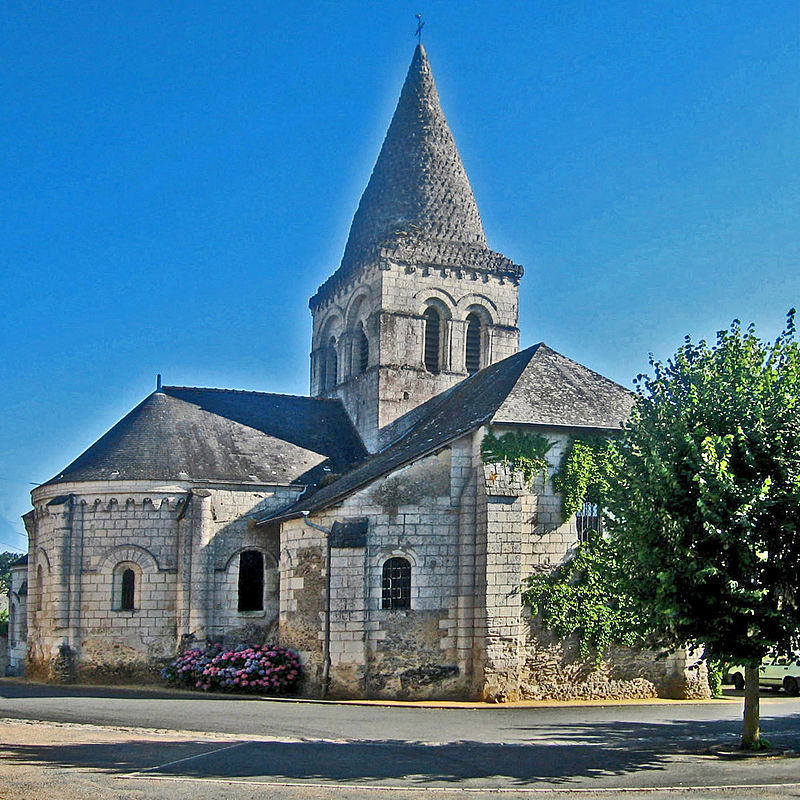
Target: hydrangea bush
[(264, 669)]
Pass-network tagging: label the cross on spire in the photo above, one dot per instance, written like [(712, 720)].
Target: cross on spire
[(420, 26)]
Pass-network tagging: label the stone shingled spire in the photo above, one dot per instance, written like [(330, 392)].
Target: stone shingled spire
[(418, 206), (418, 183)]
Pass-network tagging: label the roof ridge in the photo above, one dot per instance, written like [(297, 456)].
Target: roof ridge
[(254, 392)]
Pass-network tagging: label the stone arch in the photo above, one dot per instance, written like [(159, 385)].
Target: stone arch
[(358, 308), (437, 297), (331, 325), (134, 553), (479, 301), (268, 556)]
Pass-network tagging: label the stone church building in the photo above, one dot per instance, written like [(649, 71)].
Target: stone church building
[(360, 525)]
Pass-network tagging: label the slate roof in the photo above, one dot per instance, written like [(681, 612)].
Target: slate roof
[(537, 386), (22, 561), (222, 435), (418, 205)]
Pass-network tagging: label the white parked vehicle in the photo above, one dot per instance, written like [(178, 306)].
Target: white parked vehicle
[(776, 673)]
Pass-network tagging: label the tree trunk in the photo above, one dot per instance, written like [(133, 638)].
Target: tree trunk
[(751, 730)]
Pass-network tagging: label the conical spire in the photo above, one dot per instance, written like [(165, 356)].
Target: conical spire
[(418, 184)]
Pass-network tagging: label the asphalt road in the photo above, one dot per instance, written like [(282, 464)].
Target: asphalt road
[(296, 749)]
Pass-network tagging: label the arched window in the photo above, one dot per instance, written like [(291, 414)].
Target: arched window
[(473, 359), (363, 350), (127, 590), (396, 584), (251, 581), (123, 586), (433, 324), (331, 367), (588, 520)]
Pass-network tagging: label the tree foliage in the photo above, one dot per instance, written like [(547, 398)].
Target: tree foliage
[(704, 508), (582, 598), (6, 558)]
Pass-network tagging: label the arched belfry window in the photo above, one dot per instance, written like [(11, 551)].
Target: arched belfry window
[(433, 325), (251, 581), (331, 371), (473, 356), (127, 590), (396, 584), (363, 350)]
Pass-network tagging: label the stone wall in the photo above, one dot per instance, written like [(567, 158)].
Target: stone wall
[(413, 513), (182, 545)]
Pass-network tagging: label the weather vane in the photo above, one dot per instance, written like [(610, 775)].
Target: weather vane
[(420, 26)]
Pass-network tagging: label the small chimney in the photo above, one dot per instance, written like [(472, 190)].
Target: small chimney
[(158, 382)]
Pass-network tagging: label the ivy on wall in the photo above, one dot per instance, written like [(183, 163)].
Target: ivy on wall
[(583, 598), (524, 452), (584, 473)]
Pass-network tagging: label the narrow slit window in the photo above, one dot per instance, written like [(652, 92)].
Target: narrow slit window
[(432, 332), (251, 581), (363, 350), (588, 521), (39, 587), (473, 359), (396, 589), (127, 590)]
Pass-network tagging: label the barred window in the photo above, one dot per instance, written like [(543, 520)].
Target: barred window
[(588, 521), (473, 358), (396, 584), (432, 329), (251, 581)]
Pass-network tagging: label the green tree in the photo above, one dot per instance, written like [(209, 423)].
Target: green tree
[(6, 558), (704, 506)]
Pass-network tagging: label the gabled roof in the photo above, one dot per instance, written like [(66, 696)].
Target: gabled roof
[(22, 561), (537, 386), (184, 433), (418, 205)]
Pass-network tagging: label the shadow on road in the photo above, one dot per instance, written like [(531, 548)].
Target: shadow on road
[(584, 751)]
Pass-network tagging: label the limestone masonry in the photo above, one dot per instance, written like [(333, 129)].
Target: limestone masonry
[(245, 517)]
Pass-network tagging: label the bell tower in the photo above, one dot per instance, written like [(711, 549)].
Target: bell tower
[(419, 301)]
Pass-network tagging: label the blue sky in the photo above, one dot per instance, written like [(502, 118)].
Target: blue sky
[(178, 178)]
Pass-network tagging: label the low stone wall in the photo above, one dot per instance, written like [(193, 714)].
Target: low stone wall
[(554, 670)]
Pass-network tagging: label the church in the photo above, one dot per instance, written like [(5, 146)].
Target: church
[(359, 526)]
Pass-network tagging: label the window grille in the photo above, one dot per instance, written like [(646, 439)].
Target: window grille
[(332, 371), (432, 328), (396, 584), (363, 350), (588, 521), (473, 359), (251, 581), (128, 590)]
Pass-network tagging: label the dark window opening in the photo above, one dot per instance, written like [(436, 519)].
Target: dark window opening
[(332, 368), (323, 376), (588, 521), (128, 590), (251, 581), (473, 360), (432, 328), (363, 350), (39, 587), (396, 588)]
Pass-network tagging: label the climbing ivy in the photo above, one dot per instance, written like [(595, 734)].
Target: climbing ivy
[(583, 597), (525, 452), (585, 471)]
